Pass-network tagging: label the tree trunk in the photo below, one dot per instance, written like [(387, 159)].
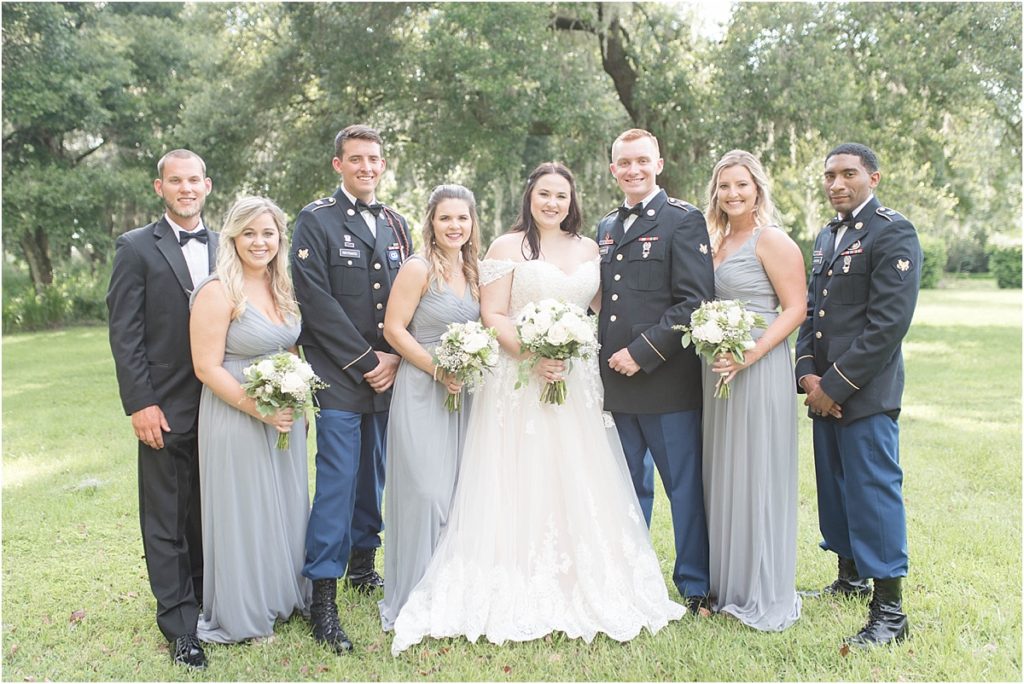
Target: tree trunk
[(36, 248)]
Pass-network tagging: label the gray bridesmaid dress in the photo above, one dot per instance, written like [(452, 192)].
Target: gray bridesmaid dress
[(750, 467), (255, 500), (424, 446)]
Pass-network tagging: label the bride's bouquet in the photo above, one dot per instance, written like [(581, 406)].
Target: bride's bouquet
[(721, 327), (467, 351), (554, 330), (281, 381)]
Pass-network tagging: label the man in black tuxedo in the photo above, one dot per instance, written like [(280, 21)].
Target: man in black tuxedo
[(655, 271), (346, 251), (155, 270)]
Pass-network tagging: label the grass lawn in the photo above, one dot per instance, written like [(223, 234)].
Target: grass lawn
[(76, 601)]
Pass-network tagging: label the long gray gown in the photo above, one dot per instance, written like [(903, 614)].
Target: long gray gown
[(255, 500), (750, 467), (424, 445)]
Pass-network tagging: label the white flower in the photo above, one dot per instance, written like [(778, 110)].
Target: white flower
[(558, 333), (304, 371), (580, 330), (265, 367), (733, 316), (475, 341), (292, 383), (709, 332)]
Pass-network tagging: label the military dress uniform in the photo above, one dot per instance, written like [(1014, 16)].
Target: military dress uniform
[(860, 303), (653, 277), (343, 275)]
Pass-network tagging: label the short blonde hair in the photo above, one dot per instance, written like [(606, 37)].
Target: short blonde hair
[(631, 135)]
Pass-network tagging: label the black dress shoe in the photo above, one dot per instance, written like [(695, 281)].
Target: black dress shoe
[(694, 604), (323, 616), (186, 650), (361, 574), (887, 623)]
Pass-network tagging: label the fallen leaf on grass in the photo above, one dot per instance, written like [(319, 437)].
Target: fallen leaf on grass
[(444, 649), (46, 620), (104, 650), (554, 657), (304, 670), (77, 616), (703, 612), (506, 669), (372, 648), (30, 678), (321, 668), (14, 649), (844, 650), (285, 662)]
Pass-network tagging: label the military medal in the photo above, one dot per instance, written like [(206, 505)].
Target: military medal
[(846, 263)]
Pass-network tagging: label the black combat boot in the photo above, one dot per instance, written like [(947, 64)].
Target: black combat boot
[(323, 615), (887, 623), (361, 574), (848, 583)]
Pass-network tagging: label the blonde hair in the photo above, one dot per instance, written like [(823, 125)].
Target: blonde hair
[(765, 213), (631, 135), (229, 266), (436, 259)]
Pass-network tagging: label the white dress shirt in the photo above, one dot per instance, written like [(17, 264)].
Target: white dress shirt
[(842, 229), (631, 219), (196, 254), (368, 217)]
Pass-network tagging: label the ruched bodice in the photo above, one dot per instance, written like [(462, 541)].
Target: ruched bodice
[(742, 277), (437, 308), (253, 335)]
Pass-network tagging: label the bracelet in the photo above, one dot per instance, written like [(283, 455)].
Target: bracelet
[(436, 368)]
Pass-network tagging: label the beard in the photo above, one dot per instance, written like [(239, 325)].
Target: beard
[(185, 212)]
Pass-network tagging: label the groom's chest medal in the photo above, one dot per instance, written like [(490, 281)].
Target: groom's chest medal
[(817, 257), (348, 241), (394, 252), (603, 246), (647, 241)]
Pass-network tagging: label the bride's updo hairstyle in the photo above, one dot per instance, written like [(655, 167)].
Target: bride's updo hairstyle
[(765, 213), (436, 259), (229, 266), (524, 222)]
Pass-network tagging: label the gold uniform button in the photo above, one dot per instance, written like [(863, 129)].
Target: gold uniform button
[(380, 325), (377, 266), (379, 306), (818, 335), (376, 286), (618, 257), (821, 313), (829, 272), (824, 293), (612, 318), (349, 262), (617, 277), (615, 297)]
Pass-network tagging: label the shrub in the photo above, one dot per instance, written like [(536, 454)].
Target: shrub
[(934, 250), (1004, 260), (967, 254), (77, 295)]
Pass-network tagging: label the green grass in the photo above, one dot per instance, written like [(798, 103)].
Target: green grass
[(71, 542)]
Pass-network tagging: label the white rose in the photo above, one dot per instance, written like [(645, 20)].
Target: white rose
[(558, 333), (474, 342), (709, 332), (543, 320), (734, 316), (304, 371), (293, 384), (581, 330), (528, 333), (265, 367)]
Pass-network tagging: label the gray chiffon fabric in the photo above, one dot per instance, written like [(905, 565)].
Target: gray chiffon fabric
[(424, 445), (255, 501), (750, 467)]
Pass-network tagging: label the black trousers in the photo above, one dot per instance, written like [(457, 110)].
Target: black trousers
[(169, 512)]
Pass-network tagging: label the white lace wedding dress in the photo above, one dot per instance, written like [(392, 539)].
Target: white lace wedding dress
[(545, 532)]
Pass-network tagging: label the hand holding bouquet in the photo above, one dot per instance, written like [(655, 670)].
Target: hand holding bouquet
[(721, 327), (466, 351), (281, 381), (554, 330)]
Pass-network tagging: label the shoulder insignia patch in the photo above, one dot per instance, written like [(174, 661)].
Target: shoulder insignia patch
[(888, 214), (303, 254), (703, 248), (680, 204), (903, 267), (321, 203)]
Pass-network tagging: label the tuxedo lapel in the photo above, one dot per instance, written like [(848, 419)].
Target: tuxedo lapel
[(168, 245)]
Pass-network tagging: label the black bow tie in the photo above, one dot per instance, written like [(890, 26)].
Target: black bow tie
[(624, 212), (201, 235), (372, 208), (835, 224)]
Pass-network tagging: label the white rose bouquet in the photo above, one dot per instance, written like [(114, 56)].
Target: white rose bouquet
[(721, 327), (467, 351), (554, 330), (281, 381)]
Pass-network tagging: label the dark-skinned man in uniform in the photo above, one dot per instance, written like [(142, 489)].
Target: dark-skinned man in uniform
[(865, 275), (346, 252)]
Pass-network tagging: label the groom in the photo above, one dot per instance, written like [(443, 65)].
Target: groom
[(655, 270)]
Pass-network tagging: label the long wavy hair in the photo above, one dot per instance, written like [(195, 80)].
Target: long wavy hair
[(524, 222), (437, 260), (765, 212), (229, 266)]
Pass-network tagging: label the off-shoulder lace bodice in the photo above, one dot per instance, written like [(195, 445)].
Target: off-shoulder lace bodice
[(535, 280)]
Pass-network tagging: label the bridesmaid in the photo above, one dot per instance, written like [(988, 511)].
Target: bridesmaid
[(424, 441), (750, 442), (255, 497)]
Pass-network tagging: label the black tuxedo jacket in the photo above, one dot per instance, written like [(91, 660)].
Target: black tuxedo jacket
[(148, 301), (343, 277), (652, 279), (860, 302)]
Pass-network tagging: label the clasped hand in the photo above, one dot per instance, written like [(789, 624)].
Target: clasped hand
[(451, 383), (281, 419), (382, 377), (820, 403), (549, 370)]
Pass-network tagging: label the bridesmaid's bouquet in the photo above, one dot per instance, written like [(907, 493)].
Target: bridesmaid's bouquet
[(721, 327), (281, 381), (554, 330), (467, 351)]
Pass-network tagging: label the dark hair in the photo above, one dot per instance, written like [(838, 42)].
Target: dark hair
[(524, 222), (867, 157), (356, 132)]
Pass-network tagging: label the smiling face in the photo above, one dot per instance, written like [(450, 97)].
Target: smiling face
[(183, 188), (453, 224), (550, 200), (737, 192), (848, 183), (360, 166), (636, 165), (258, 243)]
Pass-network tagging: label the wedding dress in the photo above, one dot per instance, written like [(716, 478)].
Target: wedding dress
[(545, 532)]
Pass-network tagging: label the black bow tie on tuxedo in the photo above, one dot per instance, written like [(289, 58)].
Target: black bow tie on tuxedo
[(372, 208), (835, 224), (201, 235), (624, 212)]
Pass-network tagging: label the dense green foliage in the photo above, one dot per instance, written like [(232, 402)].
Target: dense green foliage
[(479, 93), (1005, 261), (934, 250)]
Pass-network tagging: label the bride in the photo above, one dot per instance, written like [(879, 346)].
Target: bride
[(545, 532)]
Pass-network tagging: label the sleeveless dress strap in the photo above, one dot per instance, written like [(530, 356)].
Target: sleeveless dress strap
[(202, 283)]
